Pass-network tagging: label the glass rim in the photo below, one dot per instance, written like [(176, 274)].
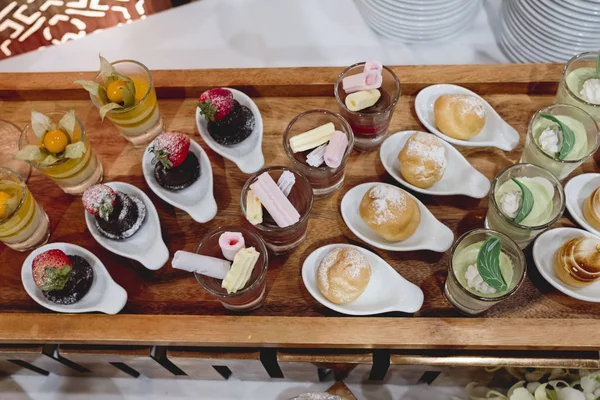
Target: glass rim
[(305, 181), (358, 113), (503, 238), (150, 87), (263, 250), (564, 76), (349, 133), (23, 193), (536, 116), (556, 182), (29, 126)]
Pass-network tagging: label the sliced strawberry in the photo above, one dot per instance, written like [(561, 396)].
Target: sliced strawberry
[(170, 149), (51, 270), (99, 200), (215, 104)]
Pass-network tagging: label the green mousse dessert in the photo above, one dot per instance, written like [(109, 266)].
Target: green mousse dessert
[(511, 196), (580, 84)]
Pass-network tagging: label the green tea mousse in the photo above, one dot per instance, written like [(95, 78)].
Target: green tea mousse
[(528, 201), (550, 137), (585, 84)]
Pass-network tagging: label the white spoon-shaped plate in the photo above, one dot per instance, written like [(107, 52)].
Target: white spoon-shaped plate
[(495, 133), (577, 191), (459, 178), (543, 256), (105, 295), (197, 200), (430, 235), (386, 291), (247, 155), (146, 246)]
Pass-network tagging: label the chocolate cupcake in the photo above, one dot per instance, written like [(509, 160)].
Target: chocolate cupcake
[(63, 279), (175, 167), (229, 122)]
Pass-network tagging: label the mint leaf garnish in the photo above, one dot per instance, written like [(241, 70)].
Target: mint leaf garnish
[(568, 137), (488, 263), (526, 202)]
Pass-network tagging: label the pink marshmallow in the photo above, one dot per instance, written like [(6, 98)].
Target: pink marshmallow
[(373, 66), (363, 81), (231, 243), (316, 157), (335, 149), (275, 201)]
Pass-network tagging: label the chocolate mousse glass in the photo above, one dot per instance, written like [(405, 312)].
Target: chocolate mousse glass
[(253, 294), (324, 180), (370, 125), (465, 288), (283, 240), (571, 90), (506, 196), (541, 146)]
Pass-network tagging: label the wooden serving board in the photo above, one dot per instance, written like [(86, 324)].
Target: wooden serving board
[(169, 307)]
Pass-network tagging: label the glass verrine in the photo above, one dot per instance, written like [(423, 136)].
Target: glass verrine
[(283, 240), (324, 180), (463, 254), (24, 225), (142, 122), (252, 295), (73, 175), (9, 146), (584, 129), (370, 126), (576, 71), (549, 202)]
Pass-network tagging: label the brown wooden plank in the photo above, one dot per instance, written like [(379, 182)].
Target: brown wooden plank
[(198, 363)]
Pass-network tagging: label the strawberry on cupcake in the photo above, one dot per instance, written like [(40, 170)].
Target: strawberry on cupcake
[(175, 167)]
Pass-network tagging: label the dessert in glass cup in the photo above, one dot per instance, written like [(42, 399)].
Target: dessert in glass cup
[(57, 145), (23, 223), (124, 93)]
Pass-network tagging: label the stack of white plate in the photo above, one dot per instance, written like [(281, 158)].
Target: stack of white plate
[(549, 30), (418, 20)]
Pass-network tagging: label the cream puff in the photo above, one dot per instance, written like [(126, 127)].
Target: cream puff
[(343, 275), (422, 160), (460, 116)]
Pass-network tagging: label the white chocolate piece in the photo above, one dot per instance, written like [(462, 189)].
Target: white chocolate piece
[(364, 99), (241, 269), (254, 211), (316, 158), (203, 265), (313, 138), (231, 243), (286, 182)]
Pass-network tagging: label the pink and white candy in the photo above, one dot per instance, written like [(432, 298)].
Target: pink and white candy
[(203, 265), (334, 153), (231, 243), (275, 201), (363, 81), (316, 157), (286, 182), (373, 66)]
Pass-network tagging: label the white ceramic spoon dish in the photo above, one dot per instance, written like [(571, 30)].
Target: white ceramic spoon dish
[(105, 295), (459, 177), (577, 191), (430, 235), (386, 291), (197, 200), (145, 246), (247, 155), (543, 256), (495, 133)]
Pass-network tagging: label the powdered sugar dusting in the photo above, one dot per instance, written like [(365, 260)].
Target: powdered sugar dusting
[(383, 197), (173, 142), (469, 104), (352, 264), (425, 146), (96, 195)]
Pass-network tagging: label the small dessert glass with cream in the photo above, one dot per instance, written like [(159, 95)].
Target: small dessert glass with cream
[(525, 200), (484, 268), (580, 84), (280, 218), (319, 154), (549, 147), (370, 125), (23, 223), (252, 295)]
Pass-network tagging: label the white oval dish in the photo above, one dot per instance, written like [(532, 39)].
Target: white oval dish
[(386, 291), (146, 246), (105, 295), (247, 155), (197, 200), (543, 256), (459, 177), (577, 191), (495, 133), (430, 235)]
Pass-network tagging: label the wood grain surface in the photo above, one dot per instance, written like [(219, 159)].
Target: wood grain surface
[(515, 91)]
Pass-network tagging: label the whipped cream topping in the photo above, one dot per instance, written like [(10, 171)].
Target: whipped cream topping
[(510, 202), (475, 281), (551, 140), (591, 91)]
